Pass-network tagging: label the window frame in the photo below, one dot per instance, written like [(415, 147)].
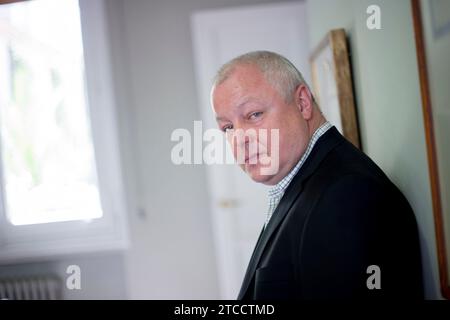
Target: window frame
[(110, 232)]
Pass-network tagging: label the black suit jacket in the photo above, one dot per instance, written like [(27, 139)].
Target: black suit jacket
[(339, 215)]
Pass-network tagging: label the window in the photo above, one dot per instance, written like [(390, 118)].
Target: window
[(57, 122)]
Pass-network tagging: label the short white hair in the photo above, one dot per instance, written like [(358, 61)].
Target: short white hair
[(277, 70)]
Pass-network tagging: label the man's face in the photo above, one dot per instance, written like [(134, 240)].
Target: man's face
[(245, 101)]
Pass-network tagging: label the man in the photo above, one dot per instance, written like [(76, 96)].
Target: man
[(336, 227)]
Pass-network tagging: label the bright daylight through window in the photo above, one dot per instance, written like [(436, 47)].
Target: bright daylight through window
[(48, 170)]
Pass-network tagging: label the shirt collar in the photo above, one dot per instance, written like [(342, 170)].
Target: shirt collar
[(278, 189)]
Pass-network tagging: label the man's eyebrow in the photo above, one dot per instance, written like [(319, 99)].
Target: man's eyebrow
[(220, 119), (244, 101)]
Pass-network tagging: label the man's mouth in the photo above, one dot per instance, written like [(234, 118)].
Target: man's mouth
[(251, 159)]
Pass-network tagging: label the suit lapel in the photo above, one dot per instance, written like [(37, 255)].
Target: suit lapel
[(323, 146)]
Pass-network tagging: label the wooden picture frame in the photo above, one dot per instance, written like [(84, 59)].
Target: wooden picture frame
[(332, 84), (438, 181)]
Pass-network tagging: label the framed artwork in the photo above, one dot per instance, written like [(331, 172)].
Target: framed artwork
[(431, 21), (332, 84)]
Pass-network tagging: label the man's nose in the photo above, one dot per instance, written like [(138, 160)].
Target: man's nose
[(244, 140)]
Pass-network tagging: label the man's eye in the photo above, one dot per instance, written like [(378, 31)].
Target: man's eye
[(228, 127), (255, 115)]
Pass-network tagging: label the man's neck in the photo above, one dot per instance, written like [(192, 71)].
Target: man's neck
[(315, 124)]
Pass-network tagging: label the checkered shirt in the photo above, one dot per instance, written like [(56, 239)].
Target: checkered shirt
[(277, 191)]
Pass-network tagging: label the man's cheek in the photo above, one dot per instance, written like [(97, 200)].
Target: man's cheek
[(271, 164), (232, 144)]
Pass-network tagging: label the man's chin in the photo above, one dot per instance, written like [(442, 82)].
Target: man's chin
[(255, 174)]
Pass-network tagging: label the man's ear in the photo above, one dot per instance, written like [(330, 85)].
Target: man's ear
[(304, 101)]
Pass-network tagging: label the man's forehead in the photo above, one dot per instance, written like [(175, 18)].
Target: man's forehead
[(237, 89)]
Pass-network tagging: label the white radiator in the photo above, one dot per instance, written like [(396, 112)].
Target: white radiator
[(31, 288)]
